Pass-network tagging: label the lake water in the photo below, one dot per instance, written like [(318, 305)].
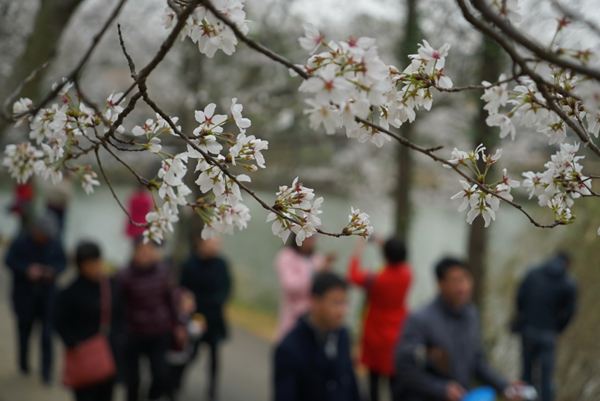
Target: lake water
[(436, 231)]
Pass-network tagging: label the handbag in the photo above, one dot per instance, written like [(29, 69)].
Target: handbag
[(92, 362)]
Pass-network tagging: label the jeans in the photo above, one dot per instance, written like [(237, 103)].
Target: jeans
[(25, 322), (154, 348), (538, 350)]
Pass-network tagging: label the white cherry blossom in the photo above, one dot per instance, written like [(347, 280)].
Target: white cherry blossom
[(312, 38)]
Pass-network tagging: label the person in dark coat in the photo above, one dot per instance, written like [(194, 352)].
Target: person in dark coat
[(36, 258), (440, 353), (206, 275), (546, 303), (313, 361), (78, 309), (151, 319)]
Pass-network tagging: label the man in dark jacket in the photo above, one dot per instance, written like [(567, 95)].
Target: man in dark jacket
[(545, 303), (440, 352), (151, 317), (36, 258), (206, 275), (313, 361)]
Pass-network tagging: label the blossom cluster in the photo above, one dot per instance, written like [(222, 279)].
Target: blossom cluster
[(57, 132), (359, 224), (481, 202), (226, 211), (348, 81), (296, 212), (560, 184), (208, 31), (530, 109)]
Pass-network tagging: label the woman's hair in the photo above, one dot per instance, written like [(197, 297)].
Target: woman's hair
[(85, 251), (394, 250)]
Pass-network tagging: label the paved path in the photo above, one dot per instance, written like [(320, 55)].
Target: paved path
[(245, 367)]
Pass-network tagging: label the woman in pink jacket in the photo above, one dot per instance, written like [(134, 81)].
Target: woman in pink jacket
[(296, 266)]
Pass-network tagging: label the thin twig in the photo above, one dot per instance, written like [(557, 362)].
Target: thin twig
[(10, 99), (164, 48), (113, 191)]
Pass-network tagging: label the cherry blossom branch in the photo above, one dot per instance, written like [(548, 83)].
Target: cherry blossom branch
[(219, 165), (540, 82), (504, 26), (403, 141), (429, 152)]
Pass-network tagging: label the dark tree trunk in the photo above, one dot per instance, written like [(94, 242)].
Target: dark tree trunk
[(51, 19), (491, 63), (408, 45)]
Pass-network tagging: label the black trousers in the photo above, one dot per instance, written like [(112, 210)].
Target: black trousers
[(154, 348), (39, 312), (374, 379), (213, 365), (539, 349), (99, 392)]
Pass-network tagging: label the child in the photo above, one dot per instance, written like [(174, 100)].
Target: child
[(182, 347)]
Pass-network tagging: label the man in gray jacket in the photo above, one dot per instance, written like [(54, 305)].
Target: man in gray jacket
[(440, 353)]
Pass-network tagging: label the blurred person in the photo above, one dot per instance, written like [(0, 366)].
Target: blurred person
[(36, 258), (181, 350), (23, 201), (296, 265), (386, 309), (58, 197), (206, 275), (79, 313), (440, 353), (139, 205), (313, 361), (151, 318), (546, 303)]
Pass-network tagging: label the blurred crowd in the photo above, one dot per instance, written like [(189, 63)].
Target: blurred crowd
[(110, 321)]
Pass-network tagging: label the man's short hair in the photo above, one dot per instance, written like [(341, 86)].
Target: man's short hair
[(394, 250), (325, 282), (564, 257), (85, 251), (446, 264)]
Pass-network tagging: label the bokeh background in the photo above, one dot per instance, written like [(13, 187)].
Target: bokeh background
[(412, 201)]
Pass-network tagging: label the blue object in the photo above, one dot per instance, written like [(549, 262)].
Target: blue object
[(481, 394)]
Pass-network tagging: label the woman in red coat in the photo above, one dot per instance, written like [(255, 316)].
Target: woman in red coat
[(386, 309)]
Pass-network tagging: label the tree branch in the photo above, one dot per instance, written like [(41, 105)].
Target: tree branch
[(507, 28), (77, 71)]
